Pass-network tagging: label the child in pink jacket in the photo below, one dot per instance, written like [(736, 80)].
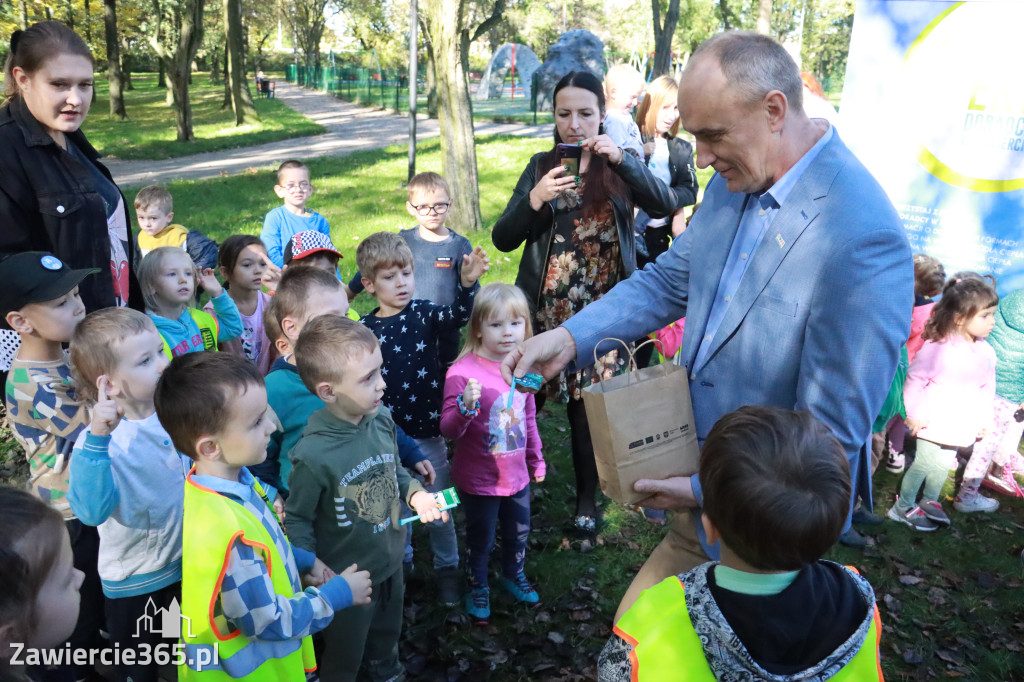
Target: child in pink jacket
[(497, 447), (949, 395)]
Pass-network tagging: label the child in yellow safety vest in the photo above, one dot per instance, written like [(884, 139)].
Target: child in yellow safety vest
[(244, 612), (776, 496)]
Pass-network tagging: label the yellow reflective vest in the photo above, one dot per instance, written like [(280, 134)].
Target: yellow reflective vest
[(213, 650), (666, 647), (209, 329)]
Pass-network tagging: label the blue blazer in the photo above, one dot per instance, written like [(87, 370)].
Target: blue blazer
[(819, 316)]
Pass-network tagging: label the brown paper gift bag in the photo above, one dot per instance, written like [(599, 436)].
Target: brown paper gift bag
[(641, 423)]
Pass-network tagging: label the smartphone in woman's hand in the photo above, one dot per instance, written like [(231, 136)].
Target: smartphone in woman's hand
[(569, 156)]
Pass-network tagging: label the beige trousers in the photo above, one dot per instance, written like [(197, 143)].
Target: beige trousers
[(678, 552)]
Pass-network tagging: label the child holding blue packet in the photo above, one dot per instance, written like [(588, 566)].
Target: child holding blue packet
[(497, 446)]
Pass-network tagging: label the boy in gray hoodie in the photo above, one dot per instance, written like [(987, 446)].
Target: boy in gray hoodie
[(346, 484), (776, 494)]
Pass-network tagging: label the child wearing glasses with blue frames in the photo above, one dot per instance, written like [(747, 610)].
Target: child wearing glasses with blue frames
[(281, 224), (437, 251)]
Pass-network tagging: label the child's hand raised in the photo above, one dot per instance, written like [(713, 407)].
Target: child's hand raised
[(359, 582), (106, 414), (208, 278), (278, 506), (271, 273), (471, 394), (474, 265), (426, 470), (426, 506)]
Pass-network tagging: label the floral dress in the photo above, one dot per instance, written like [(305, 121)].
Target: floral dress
[(584, 263)]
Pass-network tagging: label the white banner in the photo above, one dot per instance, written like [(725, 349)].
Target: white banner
[(933, 105)]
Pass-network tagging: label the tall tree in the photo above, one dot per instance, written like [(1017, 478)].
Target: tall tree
[(663, 32), (445, 26), (241, 99), (308, 19), (113, 59), (764, 17), (176, 40)]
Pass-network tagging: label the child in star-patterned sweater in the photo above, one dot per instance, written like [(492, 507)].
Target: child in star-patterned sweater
[(409, 332)]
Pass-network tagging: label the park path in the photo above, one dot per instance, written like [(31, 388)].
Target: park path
[(350, 128)]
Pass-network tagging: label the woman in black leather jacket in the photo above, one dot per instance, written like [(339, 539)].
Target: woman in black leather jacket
[(54, 194), (579, 242)]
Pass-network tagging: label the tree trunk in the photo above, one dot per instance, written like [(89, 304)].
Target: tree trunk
[(444, 18), (226, 103), (215, 66), (663, 33), (24, 14), (161, 76), (178, 48), (126, 68), (431, 76), (88, 22), (241, 100), (764, 17), (113, 59)]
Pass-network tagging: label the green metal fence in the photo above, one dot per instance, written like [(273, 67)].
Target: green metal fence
[(386, 88)]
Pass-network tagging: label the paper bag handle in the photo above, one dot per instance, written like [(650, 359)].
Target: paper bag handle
[(632, 353)]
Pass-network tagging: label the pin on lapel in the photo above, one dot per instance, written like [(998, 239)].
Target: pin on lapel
[(780, 240)]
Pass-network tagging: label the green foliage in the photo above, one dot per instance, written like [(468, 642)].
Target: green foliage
[(150, 134)]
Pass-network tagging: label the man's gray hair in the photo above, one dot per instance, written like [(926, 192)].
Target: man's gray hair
[(755, 64)]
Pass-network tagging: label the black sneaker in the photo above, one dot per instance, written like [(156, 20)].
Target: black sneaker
[(449, 585)]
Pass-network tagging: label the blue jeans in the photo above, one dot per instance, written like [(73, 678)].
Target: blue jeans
[(483, 513), (443, 542)]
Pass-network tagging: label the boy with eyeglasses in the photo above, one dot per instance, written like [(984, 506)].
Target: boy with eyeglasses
[(437, 251), (284, 222)]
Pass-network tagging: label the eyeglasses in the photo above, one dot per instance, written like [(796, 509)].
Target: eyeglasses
[(303, 186), (437, 209)]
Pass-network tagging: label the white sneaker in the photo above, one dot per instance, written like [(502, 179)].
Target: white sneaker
[(975, 503)]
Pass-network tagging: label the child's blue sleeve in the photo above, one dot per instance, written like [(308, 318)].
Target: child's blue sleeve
[(91, 492), (322, 225), (457, 314), (270, 235), (408, 452), (228, 318), (304, 559)]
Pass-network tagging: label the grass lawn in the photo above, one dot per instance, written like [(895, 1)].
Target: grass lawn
[(951, 602), (150, 130)]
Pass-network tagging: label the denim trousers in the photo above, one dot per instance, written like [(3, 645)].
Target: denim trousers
[(483, 515)]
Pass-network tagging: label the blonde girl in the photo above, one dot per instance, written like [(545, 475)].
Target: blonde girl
[(497, 447), (949, 394), (669, 158)]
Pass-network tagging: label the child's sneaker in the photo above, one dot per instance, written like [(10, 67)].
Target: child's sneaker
[(521, 589), (478, 603), (895, 462), (1003, 482), (968, 504), (914, 518), (933, 510)]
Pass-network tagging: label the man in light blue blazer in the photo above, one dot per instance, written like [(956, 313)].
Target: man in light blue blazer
[(795, 277)]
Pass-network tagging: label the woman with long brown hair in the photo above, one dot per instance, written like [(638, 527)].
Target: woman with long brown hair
[(579, 242)]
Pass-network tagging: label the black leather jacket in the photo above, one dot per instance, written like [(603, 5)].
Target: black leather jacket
[(520, 223), (680, 167), (48, 203)]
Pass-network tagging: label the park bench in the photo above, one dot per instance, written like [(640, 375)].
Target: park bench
[(265, 88)]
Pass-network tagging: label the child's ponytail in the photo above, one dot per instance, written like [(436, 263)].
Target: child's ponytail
[(963, 297)]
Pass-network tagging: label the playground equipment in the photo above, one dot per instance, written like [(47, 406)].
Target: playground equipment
[(511, 59), (576, 50)]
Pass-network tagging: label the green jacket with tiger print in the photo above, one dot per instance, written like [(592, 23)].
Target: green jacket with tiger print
[(344, 493)]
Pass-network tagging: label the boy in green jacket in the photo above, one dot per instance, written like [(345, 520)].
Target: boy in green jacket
[(345, 484)]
